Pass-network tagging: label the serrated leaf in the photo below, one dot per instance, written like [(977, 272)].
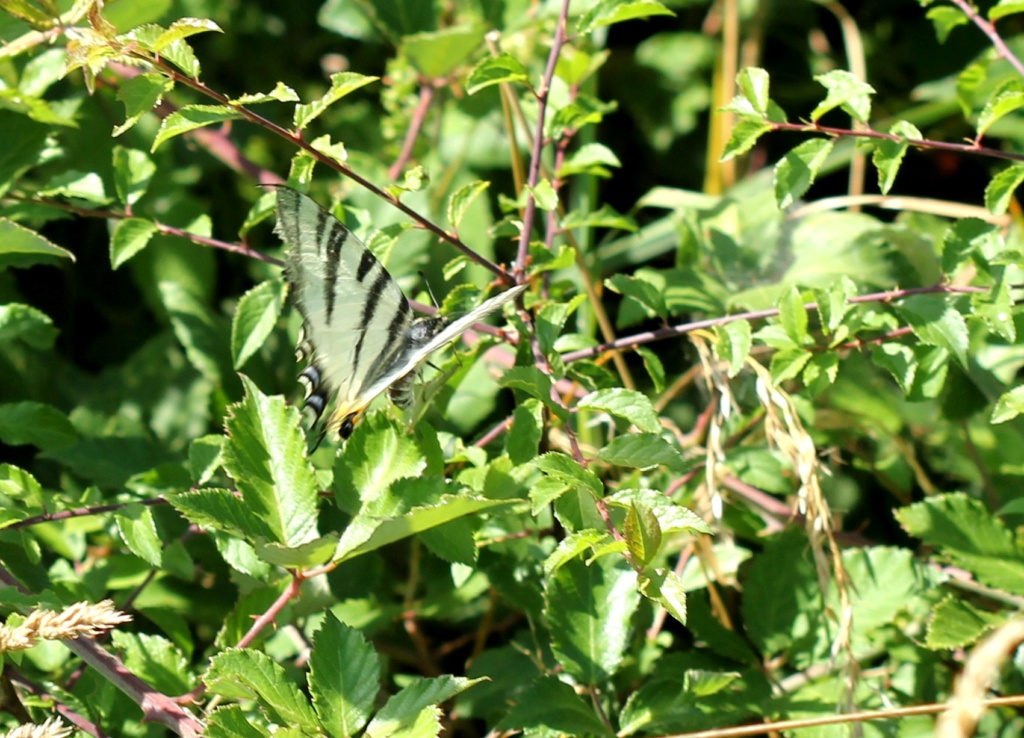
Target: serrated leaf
[(629, 405), (34, 423), (1000, 189), (535, 383), (568, 471), (130, 236), (378, 453), (551, 707), (589, 609), (797, 170), (190, 118), (18, 240), (1009, 405), (888, 155), (845, 90), (435, 54), (1008, 99), (155, 659), (591, 158), (603, 217), (609, 12), (744, 134), (573, 546), (641, 451), (138, 531), (280, 93), (266, 457), (197, 329), (462, 198), (641, 290), (342, 84), (221, 510), (255, 317), (898, 360), (231, 722), (793, 315), (754, 84), (300, 556), (524, 437), (404, 710), (133, 171), (248, 674), (140, 95), (787, 363), (655, 369), (666, 588), (344, 677), (936, 323), (734, 342), (956, 623), (503, 68), (643, 533)]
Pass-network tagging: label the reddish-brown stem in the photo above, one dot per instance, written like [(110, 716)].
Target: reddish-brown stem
[(419, 115), (989, 29)]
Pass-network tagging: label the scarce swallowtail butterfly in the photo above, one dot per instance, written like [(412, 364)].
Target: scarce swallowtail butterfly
[(360, 336)]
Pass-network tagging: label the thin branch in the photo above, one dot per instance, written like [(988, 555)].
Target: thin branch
[(419, 115), (989, 29)]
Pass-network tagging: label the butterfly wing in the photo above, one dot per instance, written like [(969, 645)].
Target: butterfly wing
[(357, 320), (417, 352)]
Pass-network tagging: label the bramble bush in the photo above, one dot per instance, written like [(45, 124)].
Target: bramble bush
[(748, 453)]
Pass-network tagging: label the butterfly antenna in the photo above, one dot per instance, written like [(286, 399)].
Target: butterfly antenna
[(430, 292)]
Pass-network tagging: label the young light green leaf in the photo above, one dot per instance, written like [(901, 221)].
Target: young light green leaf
[(379, 452), (609, 12), (641, 451), (589, 609), (344, 677), (754, 83), (183, 28), (956, 623), (266, 456), (155, 659), (133, 170), (642, 533), (191, 117), (603, 217), (404, 710), (17, 240), (524, 437), (130, 236), (299, 556), (744, 134), (462, 198), (584, 111), (888, 155), (1008, 406), (252, 675), (632, 406), (140, 95), (573, 546), (936, 323), (494, 70), (898, 360), (796, 172), (205, 456), (231, 722), (1000, 189), (535, 383), (787, 363), (1004, 8), (655, 369), (793, 315), (544, 195), (280, 93), (220, 510), (34, 423), (435, 54), (1007, 99), (666, 588), (734, 342), (342, 83), (138, 531), (845, 90), (591, 158), (255, 316), (198, 330), (834, 303), (945, 19), (568, 471)]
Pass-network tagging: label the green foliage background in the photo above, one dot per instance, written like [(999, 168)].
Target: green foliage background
[(796, 488)]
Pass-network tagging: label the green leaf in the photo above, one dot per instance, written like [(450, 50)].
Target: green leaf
[(544, 194), (734, 342), (834, 303), (19, 242), (138, 531), (500, 69), (551, 707), (155, 659), (342, 84), (584, 111), (956, 623), (796, 172), (133, 171), (568, 471), (462, 198), (936, 323), (655, 369), (590, 158), (435, 54), (130, 236), (754, 84), (34, 423), (793, 315), (573, 546), (642, 451), (26, 324), (945, 19), (1005, 8), (201, 335), (280, 93), (316, 552), (140, 95), (744, 134), (232, 722), (788, 363), (344, 677), (191, 117), (1008, 99), (252, 675), (405, 710), (972, 537), (898, 360), (968, 237), (181, 29), (221, 510), (378, 453), (643, 534), (888, 155), (589, 609), (628, 405), (524, 437), (266, 456), (609, 12), (255, 317), (999, 192), (1008, 406), (845, 91), (603, 217), (535, 383), (666, 588)]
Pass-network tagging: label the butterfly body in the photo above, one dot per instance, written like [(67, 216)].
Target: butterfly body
[(359, 336)]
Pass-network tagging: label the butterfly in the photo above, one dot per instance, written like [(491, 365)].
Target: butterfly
[(359, 335)]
